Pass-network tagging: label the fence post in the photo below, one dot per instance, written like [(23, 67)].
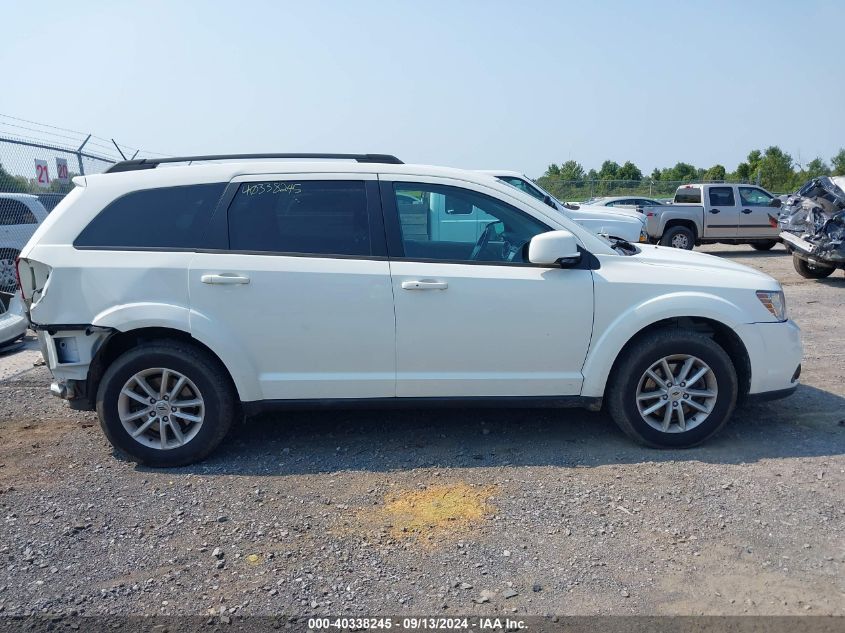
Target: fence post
[(79, 156), (120, 151)]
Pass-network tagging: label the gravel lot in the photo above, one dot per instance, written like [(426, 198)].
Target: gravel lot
[(439, 512)]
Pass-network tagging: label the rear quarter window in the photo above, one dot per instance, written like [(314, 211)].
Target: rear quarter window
[(688, 195), (166, 217)]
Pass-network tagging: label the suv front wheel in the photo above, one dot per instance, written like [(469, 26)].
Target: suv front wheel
[(673, 389), (165, 404)]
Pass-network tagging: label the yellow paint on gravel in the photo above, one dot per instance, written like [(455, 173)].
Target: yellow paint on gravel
[(436, 510)]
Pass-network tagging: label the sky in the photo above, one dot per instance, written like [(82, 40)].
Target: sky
[(465, 83)]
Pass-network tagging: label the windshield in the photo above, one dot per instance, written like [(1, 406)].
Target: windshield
[(524, 186)]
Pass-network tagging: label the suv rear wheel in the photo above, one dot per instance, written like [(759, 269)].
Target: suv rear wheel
[(165, 403), (673, 389)]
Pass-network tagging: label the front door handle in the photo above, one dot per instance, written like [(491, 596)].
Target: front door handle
[(714, 210), (224, 279), (746, 211), (424, 284)]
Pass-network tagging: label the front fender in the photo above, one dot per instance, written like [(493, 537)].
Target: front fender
[(609, 339)]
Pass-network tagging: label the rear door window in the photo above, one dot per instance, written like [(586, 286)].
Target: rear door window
[(303, 217), (163, 218), (721, 197)]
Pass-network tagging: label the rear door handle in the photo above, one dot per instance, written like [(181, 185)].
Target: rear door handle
[(224, 279), (424, 284), (747, 211), (714, 210)]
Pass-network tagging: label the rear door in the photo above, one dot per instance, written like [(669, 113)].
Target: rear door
[(301, 295), (721, 212), (754, 219)]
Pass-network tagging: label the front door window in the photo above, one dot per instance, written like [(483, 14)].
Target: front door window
[(446, 223)]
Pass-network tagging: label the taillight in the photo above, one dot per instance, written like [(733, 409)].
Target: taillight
[(18, 276)]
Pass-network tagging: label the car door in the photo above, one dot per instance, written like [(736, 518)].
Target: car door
[(473, 318), (756, 214), (721, 214), (302, 291)]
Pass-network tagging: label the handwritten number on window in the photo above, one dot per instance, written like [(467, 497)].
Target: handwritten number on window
[(260, 188)]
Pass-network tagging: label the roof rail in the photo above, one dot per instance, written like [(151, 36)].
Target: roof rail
[(152, 163)]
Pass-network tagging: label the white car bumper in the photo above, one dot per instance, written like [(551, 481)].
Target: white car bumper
[(13, 322), (775, 352)]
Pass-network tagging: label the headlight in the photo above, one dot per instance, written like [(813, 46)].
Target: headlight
[(774, 302), (643, 237)]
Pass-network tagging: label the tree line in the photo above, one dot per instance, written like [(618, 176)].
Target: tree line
[(772, 168)]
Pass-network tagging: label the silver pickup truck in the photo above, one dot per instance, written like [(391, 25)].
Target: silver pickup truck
[(719, 212)]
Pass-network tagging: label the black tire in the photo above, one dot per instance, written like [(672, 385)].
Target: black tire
[(630, 367), (8, 276), (679, 237), (198, 366), (764, 246), (809, 271)]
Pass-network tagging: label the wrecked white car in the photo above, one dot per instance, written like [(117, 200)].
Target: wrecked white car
[(812, 224)]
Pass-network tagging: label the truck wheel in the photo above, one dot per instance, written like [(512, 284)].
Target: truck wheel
[(809, 271), (764, 246), (165, 403), (678, 237), (672, 388)]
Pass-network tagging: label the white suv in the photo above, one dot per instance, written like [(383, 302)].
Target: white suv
[(20, 215), (174, 300)]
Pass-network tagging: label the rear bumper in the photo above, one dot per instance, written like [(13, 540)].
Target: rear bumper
[(807, 251), (68, 352)]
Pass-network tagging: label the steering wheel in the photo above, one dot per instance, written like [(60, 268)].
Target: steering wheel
[(482, 242)]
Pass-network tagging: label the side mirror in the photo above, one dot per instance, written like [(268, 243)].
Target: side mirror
[(554, 248), (776, 203)]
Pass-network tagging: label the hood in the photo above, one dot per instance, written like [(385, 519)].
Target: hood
[(611, 213), (701, 262)]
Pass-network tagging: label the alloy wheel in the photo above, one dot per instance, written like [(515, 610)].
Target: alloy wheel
[(677, 393), (680, 241), (161, 408)]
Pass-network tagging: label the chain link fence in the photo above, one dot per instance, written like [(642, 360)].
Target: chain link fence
[(37, 165), (34, 177), (583, 190)]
